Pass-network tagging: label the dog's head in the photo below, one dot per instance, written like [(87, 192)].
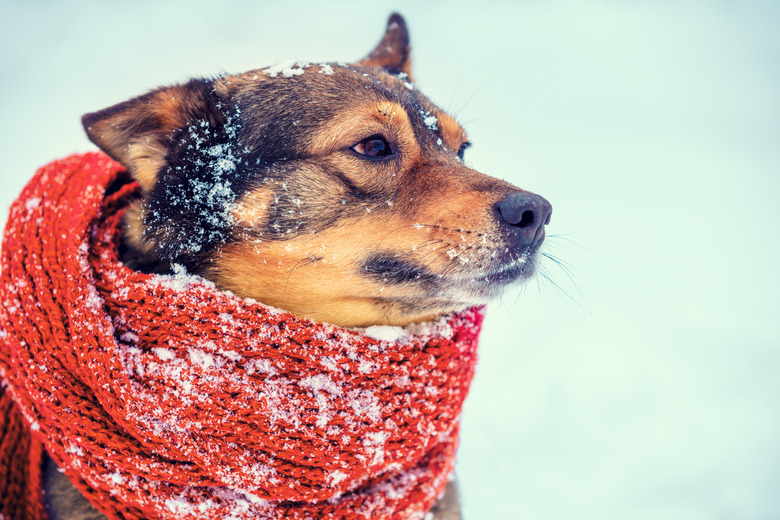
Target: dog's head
[(334, 191)]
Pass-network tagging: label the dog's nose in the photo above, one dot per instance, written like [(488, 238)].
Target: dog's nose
[(526, 214)]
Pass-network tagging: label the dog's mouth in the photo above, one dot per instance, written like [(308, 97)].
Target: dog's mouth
[(470, 263), (488, 285), (463, 281)]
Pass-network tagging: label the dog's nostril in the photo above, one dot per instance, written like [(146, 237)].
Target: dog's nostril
[(526, 219), (525, 214)]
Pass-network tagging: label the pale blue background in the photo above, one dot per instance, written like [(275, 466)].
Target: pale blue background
[(648, 391)]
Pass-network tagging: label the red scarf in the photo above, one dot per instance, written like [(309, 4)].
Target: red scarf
[(163, 397)]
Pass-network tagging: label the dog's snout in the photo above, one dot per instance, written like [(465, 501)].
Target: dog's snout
[(526, 214)]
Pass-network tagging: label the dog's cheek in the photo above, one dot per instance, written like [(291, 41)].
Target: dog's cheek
[(251, 212), (134, 235), (148, 159)]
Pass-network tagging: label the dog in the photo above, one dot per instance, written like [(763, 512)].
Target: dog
[(334, 191)]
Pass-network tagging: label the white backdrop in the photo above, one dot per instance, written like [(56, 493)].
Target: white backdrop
[(644, 387)]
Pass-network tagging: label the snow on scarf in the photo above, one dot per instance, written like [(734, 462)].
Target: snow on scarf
[(163, 397)]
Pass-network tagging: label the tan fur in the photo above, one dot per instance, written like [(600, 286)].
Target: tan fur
[(146, 158), (452, 133), (318, 275), (252, 209), (354, 124), (134, 229)]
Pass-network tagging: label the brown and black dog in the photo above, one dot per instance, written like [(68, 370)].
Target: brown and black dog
[(337, 192)]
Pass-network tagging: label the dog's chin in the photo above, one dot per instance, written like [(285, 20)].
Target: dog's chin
[(457, 292), (481, 288)]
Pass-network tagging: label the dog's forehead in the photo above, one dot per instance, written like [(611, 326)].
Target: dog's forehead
[(303, 95)]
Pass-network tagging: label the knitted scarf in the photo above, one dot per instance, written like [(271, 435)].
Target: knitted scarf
[(162, 397)]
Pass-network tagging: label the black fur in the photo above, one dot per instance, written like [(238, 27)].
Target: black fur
[(391, 269)]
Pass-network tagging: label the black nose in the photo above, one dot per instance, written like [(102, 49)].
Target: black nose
[(526, 214)]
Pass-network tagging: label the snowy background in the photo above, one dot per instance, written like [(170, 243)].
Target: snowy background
[(648, 385)]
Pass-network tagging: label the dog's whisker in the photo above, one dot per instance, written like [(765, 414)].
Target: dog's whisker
[(453, 102), (566, 268), (399, 228), (472, 96), (538, 283), (563, 236), (426, 244), (436, 250), (475, 119), (520, 292), (416, 226), (561, 241), (451, 211), (559, 261), (308, 260), (562, 291)]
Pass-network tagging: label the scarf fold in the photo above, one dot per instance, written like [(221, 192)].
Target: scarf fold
[(162, 397)]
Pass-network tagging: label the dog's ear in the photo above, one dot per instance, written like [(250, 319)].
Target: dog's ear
[(137, 133), (393, 52)]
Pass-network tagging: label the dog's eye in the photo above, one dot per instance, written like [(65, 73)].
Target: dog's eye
[(462, 149), (374, 147)]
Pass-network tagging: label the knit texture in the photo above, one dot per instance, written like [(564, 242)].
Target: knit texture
[(162, 397)]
